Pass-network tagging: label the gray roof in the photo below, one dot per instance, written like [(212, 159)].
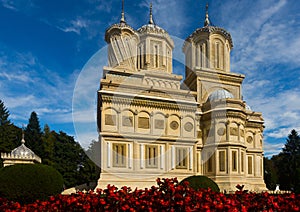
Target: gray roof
[(22, 151), (220, 94)]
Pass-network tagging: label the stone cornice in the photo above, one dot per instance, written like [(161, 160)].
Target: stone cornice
[(147, 102), (133, 136), (219, 75)]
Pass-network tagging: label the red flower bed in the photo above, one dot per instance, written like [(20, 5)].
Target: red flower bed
[(167, 196)]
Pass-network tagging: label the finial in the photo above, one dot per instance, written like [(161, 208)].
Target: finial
[(206, 22), (122, 14), (23, 136), (151, 16)]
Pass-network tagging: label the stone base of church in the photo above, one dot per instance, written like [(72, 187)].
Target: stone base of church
[(139, 181), (142, 181), (228, 184)]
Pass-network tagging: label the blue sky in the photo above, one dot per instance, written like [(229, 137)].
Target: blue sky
[(45, 46)]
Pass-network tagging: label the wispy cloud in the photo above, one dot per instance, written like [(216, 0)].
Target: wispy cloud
[(26, 86), (17, 5), (76, 25), (272, 149)]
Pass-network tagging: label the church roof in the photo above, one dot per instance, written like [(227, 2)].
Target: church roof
[(154, 29), (220, 94), (22, 150), (119, 26), (210, 29)]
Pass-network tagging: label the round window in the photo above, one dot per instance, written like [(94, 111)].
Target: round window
[(174, 125)]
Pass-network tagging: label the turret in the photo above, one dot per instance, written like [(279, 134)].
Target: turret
[(155, 47), (122, 40), (208, 48)]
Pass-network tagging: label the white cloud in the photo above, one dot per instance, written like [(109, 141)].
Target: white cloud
[(76, 25), (17, 5), (272, 149), (27, 85)]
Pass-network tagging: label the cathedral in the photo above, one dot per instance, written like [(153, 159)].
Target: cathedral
[(154, 123)]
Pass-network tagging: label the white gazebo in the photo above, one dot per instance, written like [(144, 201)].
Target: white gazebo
[(20, 155)]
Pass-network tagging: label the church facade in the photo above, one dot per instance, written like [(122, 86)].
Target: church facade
[(154, 123)]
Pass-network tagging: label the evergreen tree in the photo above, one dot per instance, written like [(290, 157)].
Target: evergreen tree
[(4, 114), (270, 175), (33, 135), (10, 135), (287, 163), (48, 143), (72, 162)]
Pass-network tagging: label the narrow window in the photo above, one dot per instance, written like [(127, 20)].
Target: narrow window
[(156, 57), (203, 55), (151, 156), (222, 161), (140, 57), (210, 162), (250, 171), (198, 55), (234, 161), (181, 158), (242, 161), (217, 55), (119, 155)]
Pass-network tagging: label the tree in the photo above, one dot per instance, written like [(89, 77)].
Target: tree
[(288, 165), (270, 175), (72, 162), (48, 143), (33, 135), (4, 114), (10, 135), (93, 152)]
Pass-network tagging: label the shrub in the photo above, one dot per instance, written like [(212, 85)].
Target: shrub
[(26, 183), (197, 182)]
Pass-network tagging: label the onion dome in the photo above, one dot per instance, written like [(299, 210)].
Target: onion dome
[(118, 28), (22, 151), (220, 94), (210, 29)]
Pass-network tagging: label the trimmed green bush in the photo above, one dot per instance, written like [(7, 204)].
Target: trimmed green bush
[(26, 183), (197, 182)]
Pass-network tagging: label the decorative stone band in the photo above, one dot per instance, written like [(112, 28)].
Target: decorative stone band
[(9, 156)]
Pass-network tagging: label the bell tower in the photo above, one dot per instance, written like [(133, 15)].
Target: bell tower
[(228, 128), (208, 47), (122, 40)]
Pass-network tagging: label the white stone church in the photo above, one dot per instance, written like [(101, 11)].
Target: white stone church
[(153, 123)]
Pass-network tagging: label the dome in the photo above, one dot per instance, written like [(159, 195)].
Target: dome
[(152, 29), (220, 94), (118, 28), (23, 151), (247, 107), (210, 30)]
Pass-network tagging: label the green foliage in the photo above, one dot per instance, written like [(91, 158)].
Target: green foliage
[(287, 163), (28, 182), (270, 175), (71, 160), (58, 150), (197, 182), (4, 114), (33, 135), (10, 135), (94, 152)]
